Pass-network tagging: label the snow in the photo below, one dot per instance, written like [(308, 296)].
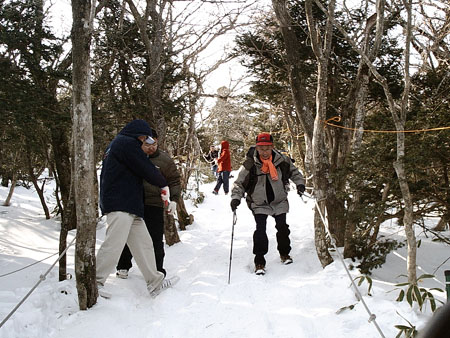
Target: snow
[(296, 300)]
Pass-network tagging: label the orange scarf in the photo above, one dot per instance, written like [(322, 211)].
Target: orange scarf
[(268, 167)]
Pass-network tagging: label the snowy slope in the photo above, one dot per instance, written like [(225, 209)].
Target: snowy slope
[(297, 300)]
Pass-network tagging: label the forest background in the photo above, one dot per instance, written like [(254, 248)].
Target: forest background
[(357, 93)]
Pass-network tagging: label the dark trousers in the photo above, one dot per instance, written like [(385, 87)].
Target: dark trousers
[(154, 220), (214, 169), (223, 178), (261, 242)]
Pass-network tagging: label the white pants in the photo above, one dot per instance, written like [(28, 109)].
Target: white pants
[(130, 229)]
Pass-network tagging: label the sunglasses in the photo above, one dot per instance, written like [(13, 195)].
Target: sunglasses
[(150, 140)]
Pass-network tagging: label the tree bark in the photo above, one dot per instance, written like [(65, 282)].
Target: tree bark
[(83, 145), (323, 188), (313, 127), (184, 218), (170, 230), (399, 164), (39, 190), (7, 202), (63, 176)]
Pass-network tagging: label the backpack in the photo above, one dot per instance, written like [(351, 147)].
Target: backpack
[(251, 179)]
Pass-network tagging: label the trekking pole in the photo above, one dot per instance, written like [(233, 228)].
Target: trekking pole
[(231, 249)]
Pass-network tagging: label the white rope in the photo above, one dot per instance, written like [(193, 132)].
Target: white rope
[(27, 266), (41, 278), (372, 317)]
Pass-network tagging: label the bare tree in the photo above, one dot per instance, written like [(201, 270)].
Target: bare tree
[(171, 30), (398, 112), (311, 123), (83, 147), (321, 169)]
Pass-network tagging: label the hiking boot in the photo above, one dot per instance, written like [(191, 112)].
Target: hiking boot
[(165, 284), (286, 259), (215, 192), (122, 273), (260, 269)]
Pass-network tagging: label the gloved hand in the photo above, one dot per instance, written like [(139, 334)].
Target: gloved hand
[(234, 204), (300, 189), (165, 195), (172, 208)]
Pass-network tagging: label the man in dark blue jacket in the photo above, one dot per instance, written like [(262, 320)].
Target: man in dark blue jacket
[(125, 165)]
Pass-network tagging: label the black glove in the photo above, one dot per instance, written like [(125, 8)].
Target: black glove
[(234, 204), (300, 189)]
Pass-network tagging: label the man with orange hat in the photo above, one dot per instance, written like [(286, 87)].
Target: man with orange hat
[(264, 178)]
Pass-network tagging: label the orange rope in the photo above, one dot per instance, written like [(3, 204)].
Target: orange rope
[(338, 119)]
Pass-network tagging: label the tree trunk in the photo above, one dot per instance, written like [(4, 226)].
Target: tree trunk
[(63, 176), (184, 218), (314, 136), (349, 246), (320, 237), (380, 219), (170, 230), (39, 190), (399, 164), (83, 144), (62, 270), (7, 202), (323, 187), (408, 219)]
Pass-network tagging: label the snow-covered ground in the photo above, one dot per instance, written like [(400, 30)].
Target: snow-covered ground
[(297, 300)]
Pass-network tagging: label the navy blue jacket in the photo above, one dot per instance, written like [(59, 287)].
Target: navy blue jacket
[(125, 165)]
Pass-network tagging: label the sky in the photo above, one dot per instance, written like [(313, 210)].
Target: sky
[(226, 75), (300, 300)]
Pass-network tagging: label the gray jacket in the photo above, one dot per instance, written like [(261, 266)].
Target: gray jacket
[(258, 200)]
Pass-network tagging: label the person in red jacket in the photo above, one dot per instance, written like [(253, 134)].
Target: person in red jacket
[(224, 169)]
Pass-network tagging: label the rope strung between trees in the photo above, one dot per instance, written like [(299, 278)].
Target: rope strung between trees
[(27, 266), (372, 317), (41, 278), (338, 119)]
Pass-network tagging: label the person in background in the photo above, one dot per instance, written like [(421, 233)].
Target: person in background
[(263, 178), (211, 158), (124, 168), (224, 169), (154, 206)]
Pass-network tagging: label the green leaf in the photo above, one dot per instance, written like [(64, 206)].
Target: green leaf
[(350, 307), (361, 279), (426, 275), (418, 296), (409, 295), (369, 280), (433, 304), (402, 327), (401, 295), (437, 289)]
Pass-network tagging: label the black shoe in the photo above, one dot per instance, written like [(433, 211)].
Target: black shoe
[(260, 269), (286, 259), (215, 192)]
